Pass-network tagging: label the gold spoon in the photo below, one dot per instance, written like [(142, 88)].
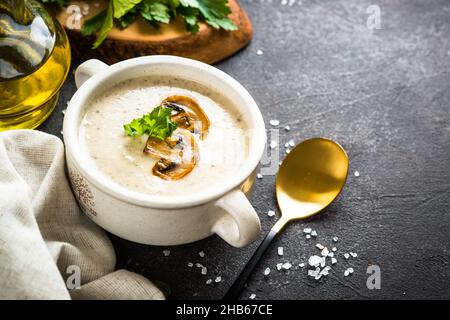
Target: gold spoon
[(309, 179)]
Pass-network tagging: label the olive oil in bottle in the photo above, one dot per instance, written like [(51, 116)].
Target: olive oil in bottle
[(34, 62)]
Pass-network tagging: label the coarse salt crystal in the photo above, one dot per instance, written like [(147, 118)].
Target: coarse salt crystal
[(218, 279), (267, 271), (190, 264), (324, 272), (314, 233), (330, 255), (274, 122), (353, 254), (291, 143), (273, 144), (201, 254), (324, 252), (314, 261), (259, 52), (259, 176), (356, 173), (271, 213), (286, 266), (301, 265), (204, 271), (208, 281), (166, 253), (286, 145), (279, 265), (350, 270), (288, 151), (308, 236), (313, 273), (334, 249), (307, 230), (280, 251), (346, 255), (287, 128), (323, 262), (198, 265), (319, 246), (346, 273), (333, 260), (252, 296), (335, 239)]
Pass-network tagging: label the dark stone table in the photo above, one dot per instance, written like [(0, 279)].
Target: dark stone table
[(384, 94)]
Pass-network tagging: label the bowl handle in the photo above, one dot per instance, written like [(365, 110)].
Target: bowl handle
[(240, 225), (87, 69)]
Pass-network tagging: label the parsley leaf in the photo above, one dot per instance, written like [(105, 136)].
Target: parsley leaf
[(189, 3), (156, 124), (173, 4), (216, 14), (92, 25), (101, 23), (121, 7), (155, 11), (106, 26), (190, 15)]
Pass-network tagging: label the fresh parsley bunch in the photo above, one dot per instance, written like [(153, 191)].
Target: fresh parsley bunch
[(124, 12), (157, 124)]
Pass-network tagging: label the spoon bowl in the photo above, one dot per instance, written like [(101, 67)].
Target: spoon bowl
[(310, 178)]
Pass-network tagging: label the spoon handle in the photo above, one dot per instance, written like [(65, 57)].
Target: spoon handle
[(236, 289)]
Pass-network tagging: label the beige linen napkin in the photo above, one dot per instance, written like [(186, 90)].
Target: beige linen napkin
[(45, 240)]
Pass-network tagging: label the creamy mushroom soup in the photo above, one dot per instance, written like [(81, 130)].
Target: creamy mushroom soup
[(208, 146)]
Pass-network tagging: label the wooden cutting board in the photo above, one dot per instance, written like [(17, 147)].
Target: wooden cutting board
[(140, 39)]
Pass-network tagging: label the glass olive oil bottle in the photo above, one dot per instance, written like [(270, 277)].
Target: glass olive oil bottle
[(34, 62)]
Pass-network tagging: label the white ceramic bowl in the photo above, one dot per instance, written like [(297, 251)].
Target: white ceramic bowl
[(221, 208)]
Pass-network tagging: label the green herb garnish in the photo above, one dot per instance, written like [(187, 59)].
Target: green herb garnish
[(156, 124), (124, 12)]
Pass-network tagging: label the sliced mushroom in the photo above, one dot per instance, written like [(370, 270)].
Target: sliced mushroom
[(176, 155), (188, 114), (167, 148)]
